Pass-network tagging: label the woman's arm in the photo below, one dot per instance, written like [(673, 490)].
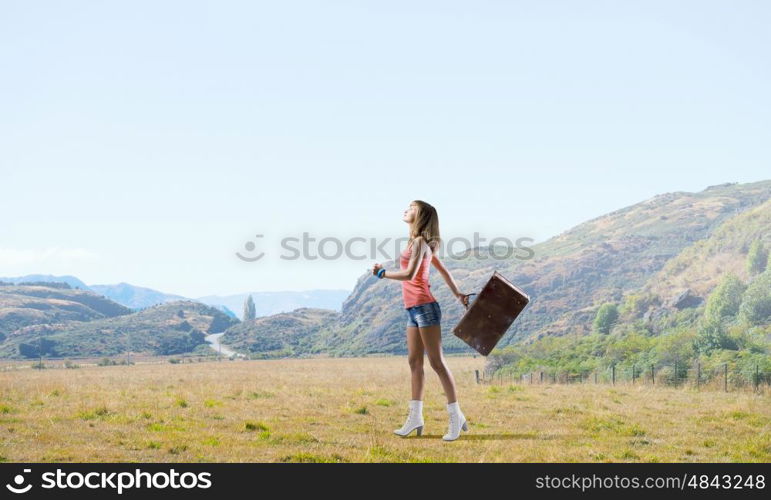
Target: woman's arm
[(412, 265), (447, 275), (439, 265)]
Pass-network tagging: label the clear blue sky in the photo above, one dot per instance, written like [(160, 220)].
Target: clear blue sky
[(148, 141)]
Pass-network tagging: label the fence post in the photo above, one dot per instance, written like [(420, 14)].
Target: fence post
[(542, 376), (595, 376), (531, 377), (653, 376), (634, 374), (757, 377), (676, 374), (698, 374), (476, 372), (613, 373), (725, 377)]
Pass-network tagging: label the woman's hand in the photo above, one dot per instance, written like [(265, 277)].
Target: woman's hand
[(463, 298), (376, 268)]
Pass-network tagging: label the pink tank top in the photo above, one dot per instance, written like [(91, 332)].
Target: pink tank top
[(416, 291)]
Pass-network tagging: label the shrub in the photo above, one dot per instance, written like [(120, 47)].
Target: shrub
[(725, 299), (757, 258), (755, 308), (607, 315)]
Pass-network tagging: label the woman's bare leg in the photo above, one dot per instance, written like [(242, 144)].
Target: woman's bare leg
[(432, 341), (415, 355)]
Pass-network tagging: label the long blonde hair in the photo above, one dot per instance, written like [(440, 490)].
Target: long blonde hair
[(426, 224)]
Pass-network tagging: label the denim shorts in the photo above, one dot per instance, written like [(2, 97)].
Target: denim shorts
[(424, 314)]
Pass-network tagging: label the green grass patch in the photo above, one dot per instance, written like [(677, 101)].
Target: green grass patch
[(599, 424), (162, 427), (293, 438), (96, 413), (260, 395), (304, 457), (255, 426)]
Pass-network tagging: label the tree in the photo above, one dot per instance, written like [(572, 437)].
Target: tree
[(712, 335), (607, 315), (725, 299), (249, 310), (757, 258), (37, 348), (755, 308)]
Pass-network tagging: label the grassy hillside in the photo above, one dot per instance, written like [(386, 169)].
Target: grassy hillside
[(280, 335), (700, 267), (24, 305), (171, 328), (711, 305), (604, 258)]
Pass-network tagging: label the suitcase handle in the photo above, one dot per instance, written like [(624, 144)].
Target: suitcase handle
[(469, 295)]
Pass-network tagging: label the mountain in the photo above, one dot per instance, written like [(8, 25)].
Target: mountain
[(267, 303), (169, 328), (25, 305), (568, 277), (48, 278), (687, 279), (279, 335), (135, 297), (709, 307)]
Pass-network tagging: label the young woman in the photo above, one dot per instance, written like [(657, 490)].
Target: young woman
[(424, 315)]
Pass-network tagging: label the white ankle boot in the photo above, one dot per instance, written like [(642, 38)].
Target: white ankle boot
[(414, 419), (457, 422)]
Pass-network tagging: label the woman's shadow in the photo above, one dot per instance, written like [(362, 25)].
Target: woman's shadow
[(483, 437)]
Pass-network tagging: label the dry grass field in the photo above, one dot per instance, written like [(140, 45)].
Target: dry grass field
[(346, 409)]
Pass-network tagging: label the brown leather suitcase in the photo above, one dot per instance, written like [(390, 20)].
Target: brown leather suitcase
[(491, 314)]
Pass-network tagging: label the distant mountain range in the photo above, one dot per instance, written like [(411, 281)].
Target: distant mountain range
[(137, 297), (672, 250), (31, 278)]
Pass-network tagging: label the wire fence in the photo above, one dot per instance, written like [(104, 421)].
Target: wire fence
[(721, 377)]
